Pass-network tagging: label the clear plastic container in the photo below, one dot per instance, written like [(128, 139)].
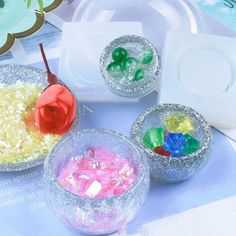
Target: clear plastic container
[(156, 16)]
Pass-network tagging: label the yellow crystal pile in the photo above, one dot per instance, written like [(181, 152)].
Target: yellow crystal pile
[(177, 123), (19, 137)]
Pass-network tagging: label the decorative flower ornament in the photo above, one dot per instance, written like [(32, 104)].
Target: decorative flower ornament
[(55, 110), (56, 107)]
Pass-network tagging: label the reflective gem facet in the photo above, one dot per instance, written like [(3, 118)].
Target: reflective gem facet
[(192, 144), (147, 55), (130, 65), (161, 151), (129, 77), (178, 123), (114, 69), (139, 75), (99, 173), (175, 144), (153, 138), (119, 54)]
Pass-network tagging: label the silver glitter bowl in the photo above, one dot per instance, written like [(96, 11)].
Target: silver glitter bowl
[(9, 74), (89, 215), (173, 169), (133, 44)]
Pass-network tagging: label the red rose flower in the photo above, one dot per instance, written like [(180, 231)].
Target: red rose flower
[(55, 110)]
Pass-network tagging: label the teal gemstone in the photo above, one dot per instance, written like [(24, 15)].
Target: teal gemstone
[(153, 138), (119, 54), (191, 146), (139, 75), (130, 65), (147, 55), (115, 70)]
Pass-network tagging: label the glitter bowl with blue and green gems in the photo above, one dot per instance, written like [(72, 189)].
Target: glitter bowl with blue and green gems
[(195, 137)]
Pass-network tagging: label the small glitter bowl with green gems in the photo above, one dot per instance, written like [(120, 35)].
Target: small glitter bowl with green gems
[(130, 66), (173, 124)]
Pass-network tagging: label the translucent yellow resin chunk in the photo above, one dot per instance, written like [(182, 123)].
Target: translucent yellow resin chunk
[(178, 123), (19, 137)]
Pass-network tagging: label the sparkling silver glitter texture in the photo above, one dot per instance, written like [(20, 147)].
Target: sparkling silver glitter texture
[(134, 45), (10, 74), (173, 169), (89, 215)]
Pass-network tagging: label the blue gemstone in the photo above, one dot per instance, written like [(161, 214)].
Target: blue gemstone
[(175, 144)]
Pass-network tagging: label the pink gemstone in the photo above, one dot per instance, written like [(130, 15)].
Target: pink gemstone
[(100, 173)]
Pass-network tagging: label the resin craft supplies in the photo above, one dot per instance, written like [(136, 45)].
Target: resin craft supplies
[(174, 139), (81, 48), (156, 16), (23, 145), (166, 163), (127, 68), (96, 181), (98, 173), (56, 107), (130, 66), (20, 138), (201, 70)]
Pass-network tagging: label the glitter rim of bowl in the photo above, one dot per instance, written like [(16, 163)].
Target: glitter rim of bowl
[(206, 146), (39, 77), (137, 88), (50, 177)]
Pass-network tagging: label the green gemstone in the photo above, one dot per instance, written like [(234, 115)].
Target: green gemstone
[(147, 56), (130, 65), (153, 138), (119, 54), (192, 144), (115, 70), (139, 75)]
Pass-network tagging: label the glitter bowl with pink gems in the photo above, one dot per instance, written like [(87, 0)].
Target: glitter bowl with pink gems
[(96, 181)]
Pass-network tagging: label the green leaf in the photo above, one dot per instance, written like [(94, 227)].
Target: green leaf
[(40, 2), (29, 3), (40, 6)]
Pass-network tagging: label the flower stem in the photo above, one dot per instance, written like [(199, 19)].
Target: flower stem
[(52, 79)]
